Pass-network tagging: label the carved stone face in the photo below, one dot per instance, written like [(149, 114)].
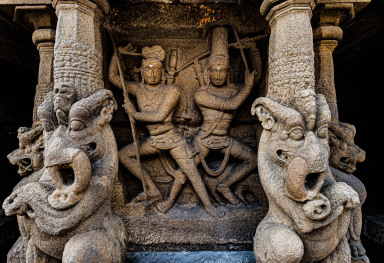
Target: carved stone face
[(29, 156), (64, 97), (72, 149), (301, 152), (345, 154), (152, 71), (218, 73)]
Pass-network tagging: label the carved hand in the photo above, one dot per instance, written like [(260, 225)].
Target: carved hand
[(250, 78), (127, 49), (130, 109)]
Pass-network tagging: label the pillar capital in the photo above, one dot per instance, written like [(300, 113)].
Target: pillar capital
[(327, 33), (96, 6), (35, 17), (336, 12), (273, 8), (43, 35)]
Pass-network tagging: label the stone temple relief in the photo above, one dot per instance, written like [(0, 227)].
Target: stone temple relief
[(184, 155), (164, 131)]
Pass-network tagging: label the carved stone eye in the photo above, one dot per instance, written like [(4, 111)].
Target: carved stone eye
[(77, 125), (332, 139), (322, 132), (47, 126), (296, 134)]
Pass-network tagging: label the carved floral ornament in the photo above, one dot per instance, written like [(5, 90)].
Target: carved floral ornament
[(189, 155)]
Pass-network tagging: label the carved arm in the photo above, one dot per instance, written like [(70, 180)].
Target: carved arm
[(167, 106)]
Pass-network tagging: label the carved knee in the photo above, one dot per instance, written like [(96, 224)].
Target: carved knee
[(277, 243), (91, 247)]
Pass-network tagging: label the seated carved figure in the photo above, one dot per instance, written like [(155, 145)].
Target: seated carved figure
[(309, 212), (343, 157), (157, 103), (68, 209)]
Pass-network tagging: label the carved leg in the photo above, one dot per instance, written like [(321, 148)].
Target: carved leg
[(249, 157), (90, 247), (277, 243), (167, 204), (17, 254), (354, 232), (188, 166), (340, 255), (127, 156), (357, 249), (35, 255)]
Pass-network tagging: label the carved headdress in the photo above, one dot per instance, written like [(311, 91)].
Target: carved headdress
[(219, 45), (156, 52), (219, 50)]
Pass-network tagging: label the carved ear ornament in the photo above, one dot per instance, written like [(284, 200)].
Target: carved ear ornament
[(269, 112)]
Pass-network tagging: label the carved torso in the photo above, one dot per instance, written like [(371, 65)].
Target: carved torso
[(216, 121), (149, 100)]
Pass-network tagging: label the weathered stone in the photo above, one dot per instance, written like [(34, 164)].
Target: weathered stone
[(344, 155), (185, 138), (192, 257), (309, 212)]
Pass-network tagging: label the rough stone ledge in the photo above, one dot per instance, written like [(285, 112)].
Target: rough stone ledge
[(191, 257)]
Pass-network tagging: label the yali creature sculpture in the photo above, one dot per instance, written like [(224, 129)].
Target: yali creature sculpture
[(68, 209), (344, 156), (307, 207)]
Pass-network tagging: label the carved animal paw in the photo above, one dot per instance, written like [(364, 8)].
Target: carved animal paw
[(62, 199), (358, 252)]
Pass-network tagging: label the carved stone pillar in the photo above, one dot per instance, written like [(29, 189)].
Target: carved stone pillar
[(78, 51), (291, 58), (328, 15), (42, 20), (44, 39)]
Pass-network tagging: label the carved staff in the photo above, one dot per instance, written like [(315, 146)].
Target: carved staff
[(131, 119), (241, 48)]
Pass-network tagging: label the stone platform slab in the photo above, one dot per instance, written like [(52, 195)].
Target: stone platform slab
[(191, 257)]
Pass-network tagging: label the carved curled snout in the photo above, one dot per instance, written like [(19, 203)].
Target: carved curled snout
[(71, 180), (72, 148), (300, 184), (306, 167)]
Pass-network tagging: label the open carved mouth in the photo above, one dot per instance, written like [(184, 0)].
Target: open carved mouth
[(24, 166), (300, 183), (67, 175), (312, 180), (348, 163)]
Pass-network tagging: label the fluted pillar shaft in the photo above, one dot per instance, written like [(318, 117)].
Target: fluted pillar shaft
[(291, 57), (44, 39), (78, 49)]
